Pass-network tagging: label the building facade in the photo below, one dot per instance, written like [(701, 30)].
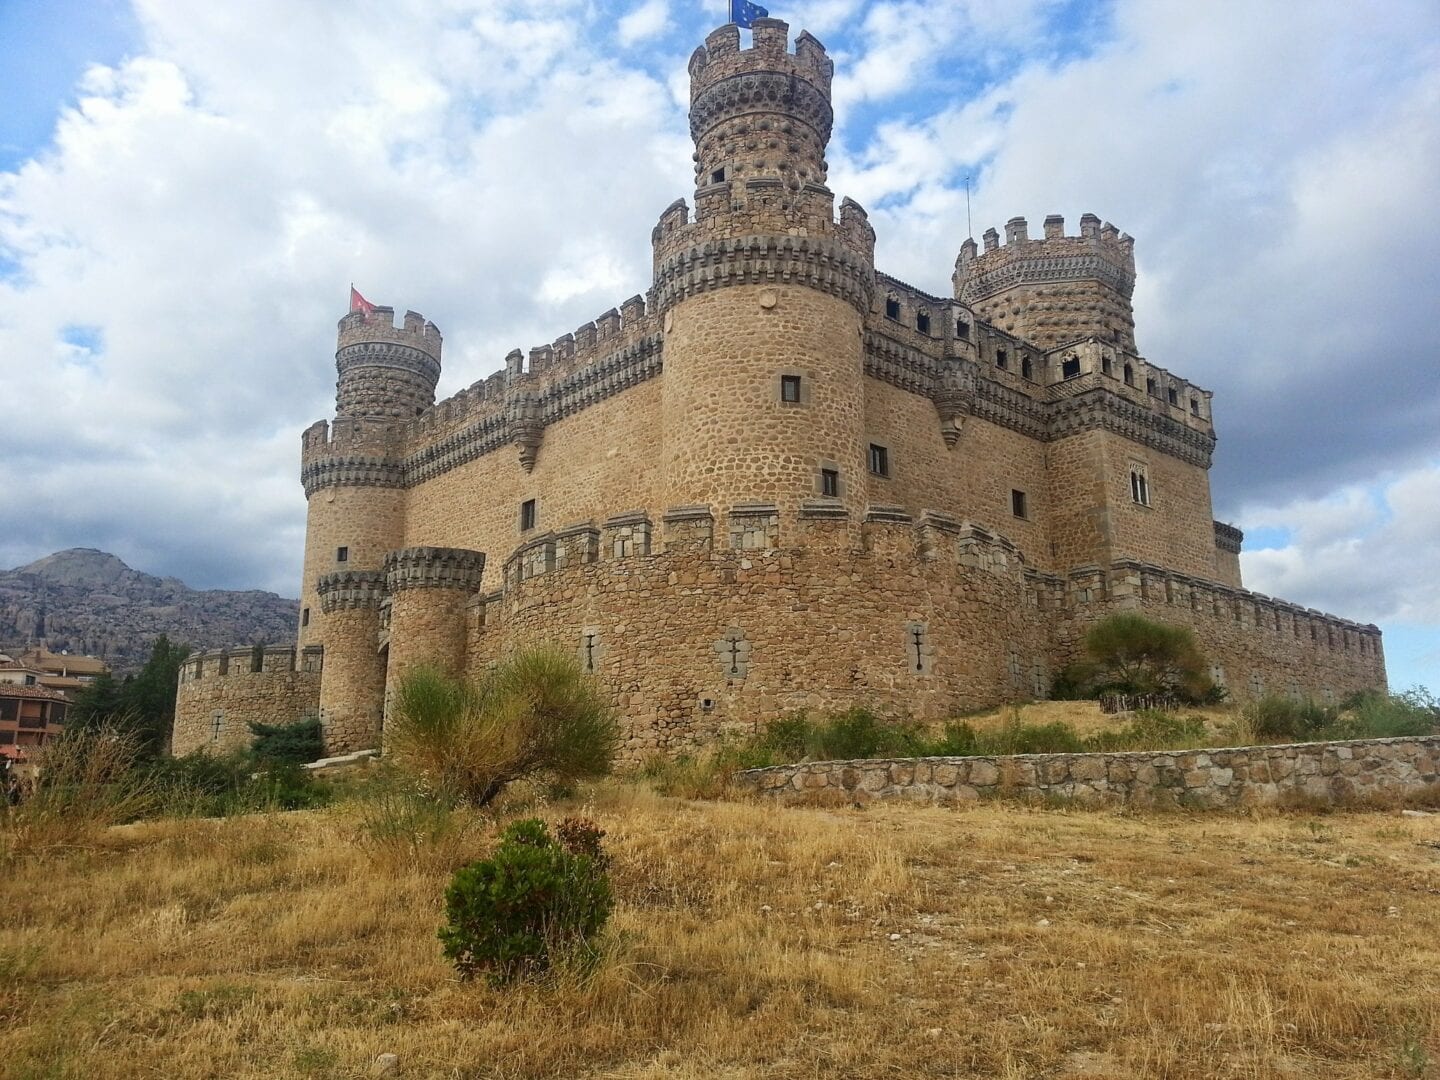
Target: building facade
[(780, 479)]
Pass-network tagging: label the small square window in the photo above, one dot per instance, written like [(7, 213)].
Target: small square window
[(718, 176), (879, 460), (892, 309), (1070, 368), (830, 483), (962, 329), (922, 322), (1002, 359), (1017, 503), (527, 515), (342, 554), (790, 389), (305, 616)]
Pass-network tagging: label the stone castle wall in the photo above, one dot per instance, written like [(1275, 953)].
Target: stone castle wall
[(221, 690), (1333, 772)]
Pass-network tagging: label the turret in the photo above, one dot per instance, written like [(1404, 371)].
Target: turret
[(385, 371), (1054, 289)]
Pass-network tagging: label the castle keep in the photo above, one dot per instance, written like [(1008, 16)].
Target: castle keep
[(780, 479)]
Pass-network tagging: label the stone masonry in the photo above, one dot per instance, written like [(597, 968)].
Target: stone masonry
[(779, 478)]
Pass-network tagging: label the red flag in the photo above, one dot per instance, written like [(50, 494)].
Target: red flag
[(359, 303)]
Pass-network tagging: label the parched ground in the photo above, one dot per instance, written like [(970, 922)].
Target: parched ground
[(993, 941)]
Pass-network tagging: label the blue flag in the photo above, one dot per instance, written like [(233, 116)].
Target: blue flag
[(744, 13)]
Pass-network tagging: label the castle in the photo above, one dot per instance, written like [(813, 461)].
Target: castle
[(779, 480)]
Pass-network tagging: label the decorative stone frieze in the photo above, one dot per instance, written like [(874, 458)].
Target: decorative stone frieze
[(434, 568), (820, 263), (346, 590)]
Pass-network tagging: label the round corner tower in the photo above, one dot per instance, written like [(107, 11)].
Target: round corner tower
[(763, 294), (1056, 289), (351, 471)]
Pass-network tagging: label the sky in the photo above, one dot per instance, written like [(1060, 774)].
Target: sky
[(188, 190)]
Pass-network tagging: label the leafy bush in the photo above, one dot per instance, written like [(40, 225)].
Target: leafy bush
[(537, 715), (1285, 718), (287, 744), (536, 902), (1130, 654), (216, 785), (1372, 714)]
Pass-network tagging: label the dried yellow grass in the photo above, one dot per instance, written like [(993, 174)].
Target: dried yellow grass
[(996, 941)]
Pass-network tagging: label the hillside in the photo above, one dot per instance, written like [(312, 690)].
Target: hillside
[(89, 601)]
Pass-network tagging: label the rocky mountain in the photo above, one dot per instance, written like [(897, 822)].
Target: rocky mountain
[(88, 601)]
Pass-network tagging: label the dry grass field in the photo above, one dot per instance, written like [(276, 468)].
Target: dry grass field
[(995, 941)]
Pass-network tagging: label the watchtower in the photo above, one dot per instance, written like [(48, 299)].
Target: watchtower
[(762, 296), (1056, 289), (385, 371)]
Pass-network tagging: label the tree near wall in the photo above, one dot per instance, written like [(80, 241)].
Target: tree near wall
[(141, 705), (1130, 654)]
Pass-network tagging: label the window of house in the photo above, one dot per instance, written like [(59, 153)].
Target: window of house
[(342, 554), (1174, 396), (830, 483), (527, 515), (962, 329), (1129, 375), (1017, 503), (305, 616), (790, 389), (1070, 368), (922, 322), (1002, 359), (879, 460), (892, 309), (8, 710), (1027, 370), (1139, 485)]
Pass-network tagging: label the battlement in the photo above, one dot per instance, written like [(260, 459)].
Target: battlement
[(977, 273), (415, 331), (721, 56), (253, 660)]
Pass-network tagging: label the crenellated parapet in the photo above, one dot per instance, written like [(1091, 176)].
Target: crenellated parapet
[(1054, 289), (434, 568), (1228, 538), (386, 371), (350, 590)]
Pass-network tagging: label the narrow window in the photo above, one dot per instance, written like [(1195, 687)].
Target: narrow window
[(1139, 487), (1174, 396), (342, 554), (790, 389), (1027, 371), (1017, 503), (217, 722), (305, 616), (922, 322), (962, 329), (879, 460), (1002, 359), (892, 309), (589, 649), (1105, 364), (527, 515), (718, 176), (1129, 375), (1194, 406), (830, 483), (1152, 388)]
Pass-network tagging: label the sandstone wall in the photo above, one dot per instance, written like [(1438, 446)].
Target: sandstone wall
[(219, 693), (1324, 772)]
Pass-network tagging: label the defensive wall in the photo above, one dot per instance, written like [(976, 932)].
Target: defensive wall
[(221, 690), (1328, 773)]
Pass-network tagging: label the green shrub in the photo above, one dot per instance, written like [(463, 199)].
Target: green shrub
[(1285, 718), (533, 904), (1152, 729), (1373, 714), (1130, 654), (218, 785), (289, 744), (534, 716)]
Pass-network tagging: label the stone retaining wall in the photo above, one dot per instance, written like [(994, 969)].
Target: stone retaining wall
[(1244, 776)]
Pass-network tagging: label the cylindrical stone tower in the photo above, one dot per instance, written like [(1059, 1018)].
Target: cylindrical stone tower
[(762, 296), (356, 508), (429, 589), (1053, 290)]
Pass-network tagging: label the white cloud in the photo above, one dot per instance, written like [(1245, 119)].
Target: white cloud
[(649, 20), (1366, 553)]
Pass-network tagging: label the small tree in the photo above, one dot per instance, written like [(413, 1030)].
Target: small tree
[(534, 715), (1131, 654)]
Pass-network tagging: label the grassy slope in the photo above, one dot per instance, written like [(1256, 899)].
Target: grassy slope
[(998, 941)]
